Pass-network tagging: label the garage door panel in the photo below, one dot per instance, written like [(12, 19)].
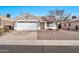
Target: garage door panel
[(27, 26), (32, 26)]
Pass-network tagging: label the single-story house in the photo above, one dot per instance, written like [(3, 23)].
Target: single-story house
[(71, 24), (6, 22), (31, 22), (74, 24)]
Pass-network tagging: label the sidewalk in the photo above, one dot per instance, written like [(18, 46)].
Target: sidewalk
[(41, 42)]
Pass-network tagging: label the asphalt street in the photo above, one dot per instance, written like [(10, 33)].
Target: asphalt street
[(38, 49)]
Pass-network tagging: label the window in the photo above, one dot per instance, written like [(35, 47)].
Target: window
[(34, 22), (26, 21), (49, 24), (22, 21), (29, 22)]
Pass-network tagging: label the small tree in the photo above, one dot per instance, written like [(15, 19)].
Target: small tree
[(59, 16), (8, 15)]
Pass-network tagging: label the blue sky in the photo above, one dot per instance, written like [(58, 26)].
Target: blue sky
[(36, 10)]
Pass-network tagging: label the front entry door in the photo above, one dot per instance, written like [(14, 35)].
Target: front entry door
[(42, 25)]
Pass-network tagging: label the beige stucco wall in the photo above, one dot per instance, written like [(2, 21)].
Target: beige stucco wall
[(65, 27), (7, 23), (46, 27)]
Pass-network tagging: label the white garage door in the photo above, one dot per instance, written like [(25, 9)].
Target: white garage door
[(26, 26)]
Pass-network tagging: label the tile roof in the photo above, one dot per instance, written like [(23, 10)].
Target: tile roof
[(32, 17), (28, 17)]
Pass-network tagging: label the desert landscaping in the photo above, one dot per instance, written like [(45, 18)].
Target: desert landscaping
[(57, 35), (41, 35)]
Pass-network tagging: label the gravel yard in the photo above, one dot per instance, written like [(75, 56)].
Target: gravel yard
[(57, 35), (41, 35)]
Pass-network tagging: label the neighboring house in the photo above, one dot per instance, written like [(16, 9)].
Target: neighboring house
[(71, 24), (6, 22), (31, 22), (74, 24)]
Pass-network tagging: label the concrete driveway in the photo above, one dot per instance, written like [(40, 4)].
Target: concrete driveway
[(20, 35)]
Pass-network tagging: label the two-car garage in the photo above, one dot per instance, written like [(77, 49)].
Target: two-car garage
[(26, 25), (26, 22)]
